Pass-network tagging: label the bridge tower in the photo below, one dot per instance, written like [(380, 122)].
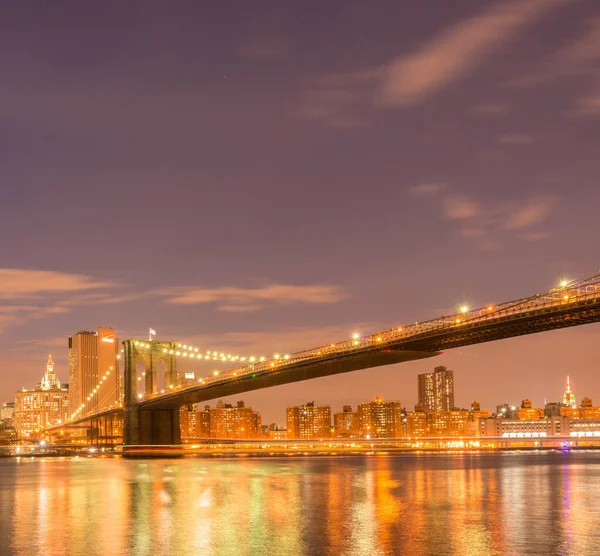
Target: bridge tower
[(149, 426)]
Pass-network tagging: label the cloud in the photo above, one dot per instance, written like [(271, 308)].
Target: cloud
[(578, 57), (340, 100), (487, 226), (460, 208), (346, 100), (532, 213), (18, 283), (587, 106), (458, 50), (251, 299), (426, 189), (515, 139)]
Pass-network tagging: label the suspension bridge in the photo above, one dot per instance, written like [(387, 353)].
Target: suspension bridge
[(151, 414)]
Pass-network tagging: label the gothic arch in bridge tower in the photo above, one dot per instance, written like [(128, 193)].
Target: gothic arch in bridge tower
[(151, 354)]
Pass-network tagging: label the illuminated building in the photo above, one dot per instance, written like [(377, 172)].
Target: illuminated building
[(507, 411), (526, 412), (93, 370), (7, 412), (190, 422), (345, 423), (524, 428), (585, 427), (568, 397), (47, 404), (586, 411), (416, 424), (450, 423), (436, 390), (227, 421), (379, 419), (308, 421), (478, 413)]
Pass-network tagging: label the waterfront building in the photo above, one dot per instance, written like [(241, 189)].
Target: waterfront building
[(379, 419), (507, 411), (478, 413), (585, 427), (227, 421), (190, 422), (7, 413), (308, 421), (586, 411), (450, 423), (525, 428), (528, 413), (568, 397), (416, 424), (436, 390), (345, 423), (93, 370), (47, 404)]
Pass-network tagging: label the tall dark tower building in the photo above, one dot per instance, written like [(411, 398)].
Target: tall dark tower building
[(436, 390)]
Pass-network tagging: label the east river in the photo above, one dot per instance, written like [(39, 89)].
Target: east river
[(502, 503)]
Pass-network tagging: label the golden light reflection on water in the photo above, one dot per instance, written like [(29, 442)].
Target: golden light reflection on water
[(537, 503)]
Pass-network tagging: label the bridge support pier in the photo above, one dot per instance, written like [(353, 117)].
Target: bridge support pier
[(151, 427)]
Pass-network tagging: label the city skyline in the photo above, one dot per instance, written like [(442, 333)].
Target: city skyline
[(567, 398), (340, 193)]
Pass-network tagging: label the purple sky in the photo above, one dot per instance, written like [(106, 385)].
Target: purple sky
[(267, 176)]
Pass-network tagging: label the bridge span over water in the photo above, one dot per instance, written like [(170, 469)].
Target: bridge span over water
[(151, 416)]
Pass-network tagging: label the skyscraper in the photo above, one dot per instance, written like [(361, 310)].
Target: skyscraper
[(47, 404), (568, 397), (379, 419), (93, 370), (436, 390)]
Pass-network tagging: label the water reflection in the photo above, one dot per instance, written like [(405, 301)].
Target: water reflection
[(529, 503)]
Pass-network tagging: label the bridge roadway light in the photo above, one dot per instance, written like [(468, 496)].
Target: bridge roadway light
[(464, 309), (564, 283)]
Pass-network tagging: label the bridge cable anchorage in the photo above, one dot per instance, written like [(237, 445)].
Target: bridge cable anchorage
[(461, 328)]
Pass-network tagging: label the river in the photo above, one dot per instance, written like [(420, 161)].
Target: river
[(463, 504)]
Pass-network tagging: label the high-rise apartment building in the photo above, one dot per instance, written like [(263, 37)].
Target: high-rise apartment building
[(345, 424), (93, 370), (436, 390), (379, 419), (308, 421), (47, 404), (227, 421)]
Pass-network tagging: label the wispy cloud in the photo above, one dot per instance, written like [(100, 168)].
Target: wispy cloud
[(344, 100), (251, 299), (18, 283), (529, 214), (488, 225), (458, 50), (460, 208)]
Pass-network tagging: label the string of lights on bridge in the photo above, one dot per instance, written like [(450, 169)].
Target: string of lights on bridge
[(196, 354)]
